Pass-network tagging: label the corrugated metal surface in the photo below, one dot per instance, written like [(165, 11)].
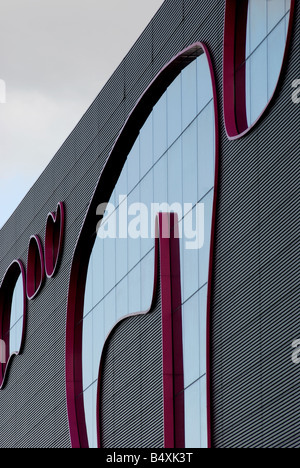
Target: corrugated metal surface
[(255, 314), (255, 301), (131, 410)]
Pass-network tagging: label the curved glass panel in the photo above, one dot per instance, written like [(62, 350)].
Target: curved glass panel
[(170, 168), (256, 41), (16, 318), (267, 28)]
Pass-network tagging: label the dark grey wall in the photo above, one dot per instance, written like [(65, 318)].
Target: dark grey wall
[(256, 393), (131, 409), (255, 296)]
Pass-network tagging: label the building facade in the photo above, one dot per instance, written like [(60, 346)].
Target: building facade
[(149, 279)]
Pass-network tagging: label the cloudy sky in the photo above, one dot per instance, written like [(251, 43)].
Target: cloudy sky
[(54, 61)]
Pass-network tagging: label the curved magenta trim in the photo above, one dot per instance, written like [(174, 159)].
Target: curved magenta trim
[(167, 270), (6, 295), (234, 90), (35, 267), (108, 179), (54, 237), (211, 256)]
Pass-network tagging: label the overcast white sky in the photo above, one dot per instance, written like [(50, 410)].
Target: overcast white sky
[(54, 61)]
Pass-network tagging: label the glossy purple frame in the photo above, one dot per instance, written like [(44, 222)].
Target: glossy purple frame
[(83, 249), (54, 238), (35, 268), (234, 73), (7, 288)]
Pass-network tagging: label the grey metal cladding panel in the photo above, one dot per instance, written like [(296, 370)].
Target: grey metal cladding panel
[(172, 47), (111, 95), (87, 128), (132, 393), (165, 22), (204, 22), (138, 58), (41, 390), (255, 313), (187, 5), (139, 88), (39, 435)]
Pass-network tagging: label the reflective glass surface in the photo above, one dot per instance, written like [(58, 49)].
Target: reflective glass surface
[(170, 168), (16, 318), (267, 28)]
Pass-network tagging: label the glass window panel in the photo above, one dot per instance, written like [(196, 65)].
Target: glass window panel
[(192, 226), (90, 412), (15, 337), (121, 259), (203, 413), (97, 265), (259, 82), (161, 180), (206, 150), (146, 191), (174, 110), (182, 242), (19, 331), (192, 416), (265, 45), (109, 264), (160, 140), (122, 185), (110, 315), (98, 338), (122, 240), (87, 351), (146, 146), (189, 93), (17, 302), (248, 91), (147, 280), (133, 162), (175, 173), (203, 321), (88, 296), (257, 22), (12, 340), (95, 437), (276, 11), (287, 22), (190, 164), (19, 298), (276, 48), (111, 290), (134, 290), (122, 298), (191, 326), (112, 199), (204, 252), (134, 245), (204, 83), (13, 310)]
